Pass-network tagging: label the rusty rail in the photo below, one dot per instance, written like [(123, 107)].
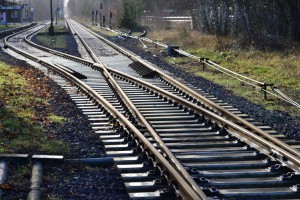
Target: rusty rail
[(184, 187)]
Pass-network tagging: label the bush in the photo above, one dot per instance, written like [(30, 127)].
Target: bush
[(130, 11)]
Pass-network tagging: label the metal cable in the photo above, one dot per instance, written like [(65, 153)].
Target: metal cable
[(223, 70), (279, 97), (258, 82), (216, 68), (287, 98)]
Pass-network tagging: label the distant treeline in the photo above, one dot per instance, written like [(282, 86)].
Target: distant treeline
[(84, 8), (273, 18), (249, 18)]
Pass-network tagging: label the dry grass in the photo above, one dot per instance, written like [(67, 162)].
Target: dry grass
[(281, 68), (21, 124), (190, 39)]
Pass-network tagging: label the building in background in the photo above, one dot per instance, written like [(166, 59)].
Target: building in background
[(10, 12)]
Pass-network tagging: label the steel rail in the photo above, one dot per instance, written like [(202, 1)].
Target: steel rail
[(281, 97), (16, 29), (289, 153), (186, 191), (258, 84), (182, 52), (222, 122), (232, 74), (261, 147), (137, 114), (221, 111)]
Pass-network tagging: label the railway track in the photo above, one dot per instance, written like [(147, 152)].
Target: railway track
[(170, 140), (103, 120)]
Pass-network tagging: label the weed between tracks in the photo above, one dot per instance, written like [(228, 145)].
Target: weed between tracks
[(102, 31), (24, 111), (280, 67), (97, 28), (58, 41)]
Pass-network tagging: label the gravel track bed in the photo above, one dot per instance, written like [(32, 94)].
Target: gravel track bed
[(279, 121), (66, 181), (81, 182)]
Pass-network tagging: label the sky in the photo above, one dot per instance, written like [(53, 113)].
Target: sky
[(65, 8)]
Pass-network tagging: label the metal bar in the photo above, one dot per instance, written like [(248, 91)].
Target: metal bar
[(186, 191), (142, 120), (36, 182), (223, 112), (286, 149), (100, 162), (269, 142)]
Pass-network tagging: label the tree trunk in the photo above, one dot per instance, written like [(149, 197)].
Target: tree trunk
[(248, 22), (294, 28), (202, 16), (297, 20), (208, 14), (224, 17), (214, 16), (217, 17), (236, 18)]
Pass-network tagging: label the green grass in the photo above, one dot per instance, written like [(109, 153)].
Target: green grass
[(53, 41), (56, 41), (103, 31), (3, 27), (97, 28), (2, 150), (21, 173), (56, 119), (19, 127), (282, 68)]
